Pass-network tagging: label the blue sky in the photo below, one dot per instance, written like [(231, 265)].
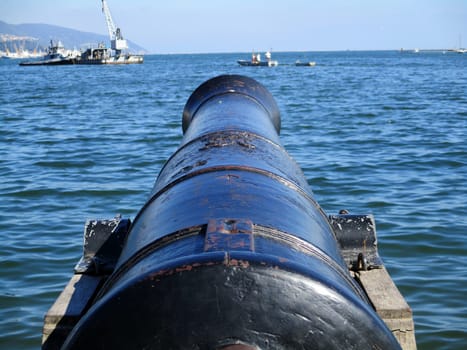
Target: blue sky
[(181, 26)]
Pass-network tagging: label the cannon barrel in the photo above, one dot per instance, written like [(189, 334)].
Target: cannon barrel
[(231, 250)]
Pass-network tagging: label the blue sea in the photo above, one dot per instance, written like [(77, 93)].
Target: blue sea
[(374, 132)]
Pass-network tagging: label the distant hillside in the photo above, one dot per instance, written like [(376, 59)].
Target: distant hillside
[(38, 36)]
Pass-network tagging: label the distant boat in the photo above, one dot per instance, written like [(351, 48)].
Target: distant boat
[(258, 64), (56, 55), (103, 55), (460, 49), (256, 61), (305, 64), (117, 43), (20, 54)]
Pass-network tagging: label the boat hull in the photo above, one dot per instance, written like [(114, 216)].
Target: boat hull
[(70, 61), (52, 62), (258, 64), (305, 64), (113, 60)]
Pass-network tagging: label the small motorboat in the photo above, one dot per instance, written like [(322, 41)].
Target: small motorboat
[(305, 64), (256, 61)]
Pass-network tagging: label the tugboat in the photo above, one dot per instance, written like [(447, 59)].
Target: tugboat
[(56, 55), (256, 61)]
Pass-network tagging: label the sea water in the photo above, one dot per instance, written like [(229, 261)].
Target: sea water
[(374, 132)]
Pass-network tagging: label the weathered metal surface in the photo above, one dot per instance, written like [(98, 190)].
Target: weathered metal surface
[(356, 235), (103, 243), (231, 248), (229, 234), (74, 301)]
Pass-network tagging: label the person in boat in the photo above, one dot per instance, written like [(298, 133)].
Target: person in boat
[(253, 57)]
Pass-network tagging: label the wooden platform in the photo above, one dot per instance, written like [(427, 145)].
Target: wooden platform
[(389, 304), (67, 310)]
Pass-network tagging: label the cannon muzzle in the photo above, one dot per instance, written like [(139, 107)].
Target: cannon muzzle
[(231, 250)]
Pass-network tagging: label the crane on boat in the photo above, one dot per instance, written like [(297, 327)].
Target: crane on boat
[(117, 42)]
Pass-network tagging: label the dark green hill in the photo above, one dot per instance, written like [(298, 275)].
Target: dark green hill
[(32, 36)]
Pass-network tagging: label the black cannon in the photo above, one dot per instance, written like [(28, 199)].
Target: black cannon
[(231, 251)]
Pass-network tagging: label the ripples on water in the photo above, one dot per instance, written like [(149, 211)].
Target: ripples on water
[(374, 132)]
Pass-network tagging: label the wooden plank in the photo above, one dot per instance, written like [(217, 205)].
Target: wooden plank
[(68, 309), (389, 304)]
